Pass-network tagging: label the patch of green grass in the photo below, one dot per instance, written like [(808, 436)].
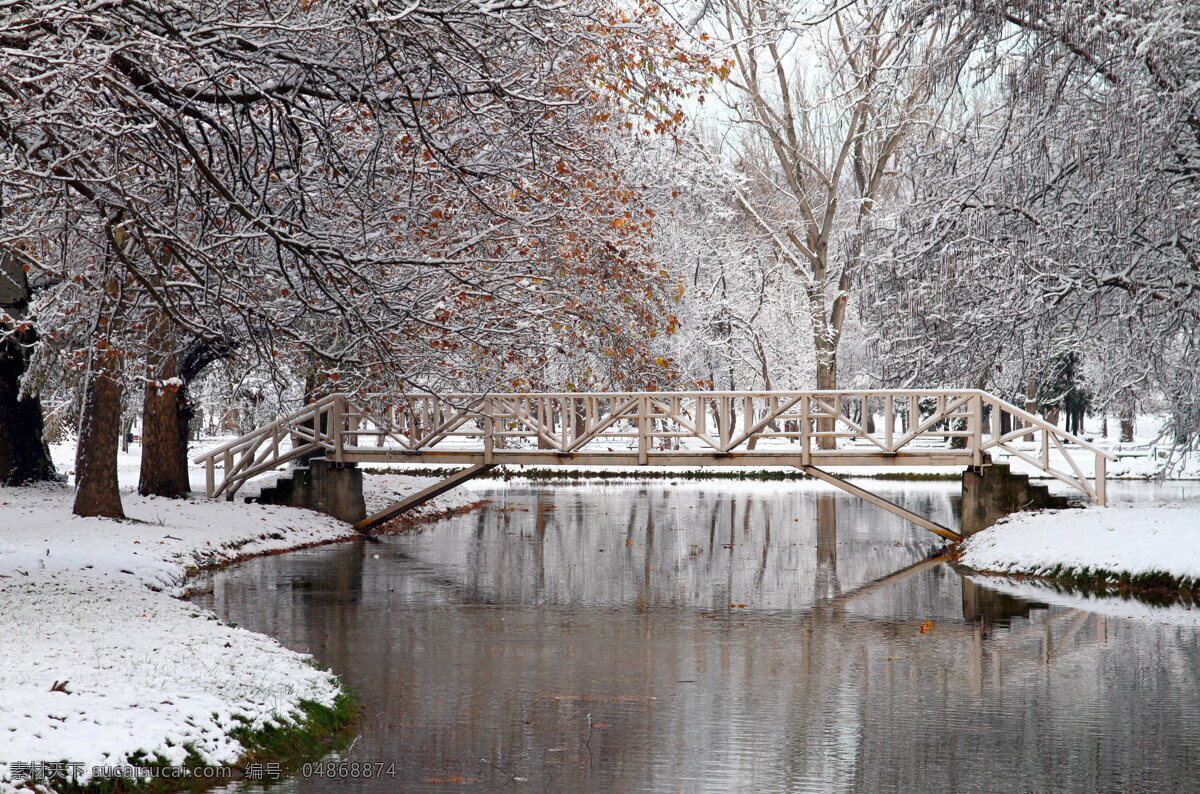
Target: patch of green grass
[(318, 730), (312, 735)]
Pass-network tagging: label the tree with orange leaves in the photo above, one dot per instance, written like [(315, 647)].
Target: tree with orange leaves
[(378, 195)]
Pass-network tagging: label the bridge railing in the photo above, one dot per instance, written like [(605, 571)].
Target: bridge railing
[(884, 427), (309, 431)]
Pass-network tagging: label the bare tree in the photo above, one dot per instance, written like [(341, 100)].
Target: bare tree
[(1054, 212)]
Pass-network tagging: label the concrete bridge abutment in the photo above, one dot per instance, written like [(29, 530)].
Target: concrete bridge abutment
[(320, 485), (991, 492)]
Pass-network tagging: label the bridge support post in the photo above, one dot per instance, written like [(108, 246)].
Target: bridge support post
[(643, 424)]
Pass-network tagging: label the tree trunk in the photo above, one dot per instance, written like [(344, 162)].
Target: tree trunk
[(1126, 427), (186, 414), (24, 456), (164, 442), (97, 492), (1031, 404), (96, 489), (164, 424), (1075, 420), (826, 381)]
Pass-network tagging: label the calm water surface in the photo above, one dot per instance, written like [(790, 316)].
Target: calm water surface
[(720, 637)]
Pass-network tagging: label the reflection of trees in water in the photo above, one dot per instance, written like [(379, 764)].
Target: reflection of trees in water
[(706, 546), (496, 635), (827, 581)]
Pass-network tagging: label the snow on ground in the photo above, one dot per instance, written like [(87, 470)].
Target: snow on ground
[(94, 602), (1134, 539), (1158, 461), (129, 461)]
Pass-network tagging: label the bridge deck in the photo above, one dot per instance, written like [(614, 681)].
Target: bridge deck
[(685, 458)]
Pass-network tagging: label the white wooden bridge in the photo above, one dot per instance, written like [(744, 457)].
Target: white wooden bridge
[(808, 430)]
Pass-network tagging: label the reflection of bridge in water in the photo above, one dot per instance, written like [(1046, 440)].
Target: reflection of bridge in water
[(738, 522), (991, 625), (807, 430)]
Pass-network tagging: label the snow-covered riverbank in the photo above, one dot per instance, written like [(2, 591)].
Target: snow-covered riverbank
[(96, 604), (1150, 544)]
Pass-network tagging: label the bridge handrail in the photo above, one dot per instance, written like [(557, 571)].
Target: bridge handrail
[(697, 393), (299, 413), (1044, 425), (988, 397)]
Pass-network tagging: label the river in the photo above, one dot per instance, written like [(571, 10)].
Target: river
[(720, 636)]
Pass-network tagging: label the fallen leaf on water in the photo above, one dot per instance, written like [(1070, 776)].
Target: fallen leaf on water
[(927, 626)]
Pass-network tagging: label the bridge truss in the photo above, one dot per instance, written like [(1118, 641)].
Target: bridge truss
[(808, 430)]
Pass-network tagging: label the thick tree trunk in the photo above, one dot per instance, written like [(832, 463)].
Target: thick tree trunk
[(96, 489), (168, 413), (164, 441), (24, 456), (826, 381), (164, 461)]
